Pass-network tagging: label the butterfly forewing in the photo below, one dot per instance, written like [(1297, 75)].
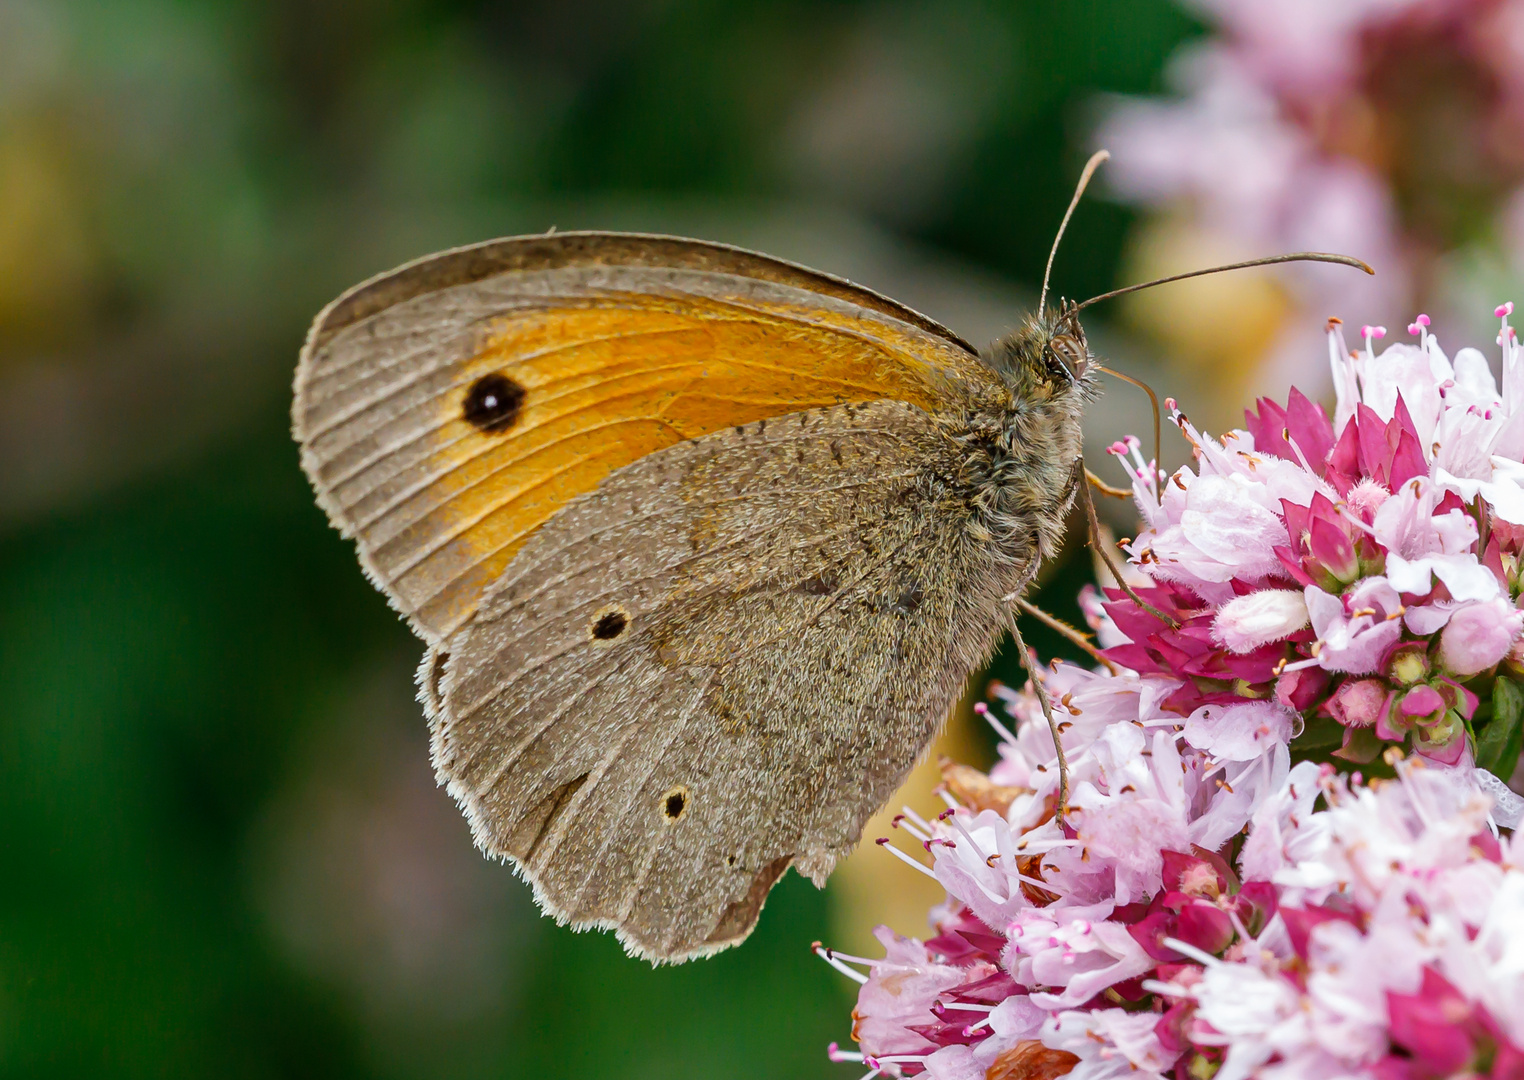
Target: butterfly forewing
[(448, 409)]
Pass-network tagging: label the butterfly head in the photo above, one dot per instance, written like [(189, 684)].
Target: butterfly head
[(1047, 360)]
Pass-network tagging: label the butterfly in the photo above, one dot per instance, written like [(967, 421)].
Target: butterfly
[(704, 546)]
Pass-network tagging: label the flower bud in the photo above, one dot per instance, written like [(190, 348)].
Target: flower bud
[(1422, 705), (1478, 635), (1245, 623), (1408, 663), (1302, 688), (1331, 546), (1359, 703), (1205, 926), (1443, 741)]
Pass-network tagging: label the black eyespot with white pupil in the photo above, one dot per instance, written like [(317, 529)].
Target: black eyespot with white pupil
[(493, 403)]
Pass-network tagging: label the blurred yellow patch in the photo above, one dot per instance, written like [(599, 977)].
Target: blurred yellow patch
[(46, 261), (1215, 331)]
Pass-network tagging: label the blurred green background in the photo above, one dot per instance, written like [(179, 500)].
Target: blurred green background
[(221, 848)]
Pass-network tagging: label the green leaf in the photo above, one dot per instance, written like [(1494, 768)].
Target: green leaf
[(1320, 733), (1498, 746), (1361, 746)]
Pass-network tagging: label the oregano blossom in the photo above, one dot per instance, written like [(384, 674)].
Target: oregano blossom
[(1286, 851)]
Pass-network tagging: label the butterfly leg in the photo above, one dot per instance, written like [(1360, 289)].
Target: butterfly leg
[(1029, 661), (1058, 626), (1100, 548), (1105, 488)]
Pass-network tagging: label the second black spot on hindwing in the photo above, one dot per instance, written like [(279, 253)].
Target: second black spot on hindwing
[(609, 623)]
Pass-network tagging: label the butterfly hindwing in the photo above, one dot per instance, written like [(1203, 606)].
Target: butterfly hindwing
[(718, 663)]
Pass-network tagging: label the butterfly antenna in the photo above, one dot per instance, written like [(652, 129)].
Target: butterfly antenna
[(1079, 189), (1295, 256)]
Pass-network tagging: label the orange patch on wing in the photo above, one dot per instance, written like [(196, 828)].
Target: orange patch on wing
[(605, 385)]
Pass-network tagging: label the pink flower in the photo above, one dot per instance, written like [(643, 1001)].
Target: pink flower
[(1078, 957), (1242, 732), (1278, 833), (1195, 912), (1221, 532), (1478, 636), (1427, 537), (898, 997), (1387, 920), (1356, 630), (1109, 1043)]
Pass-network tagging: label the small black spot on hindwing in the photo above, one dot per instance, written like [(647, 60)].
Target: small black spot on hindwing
[(674, 802), (610, 625), (493, 403)]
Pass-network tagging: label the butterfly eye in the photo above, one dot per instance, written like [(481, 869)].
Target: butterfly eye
[(1072, 353)]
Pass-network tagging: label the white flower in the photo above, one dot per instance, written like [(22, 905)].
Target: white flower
[(1245, 623), (1241, 732), (1082, 955), (1110, 1043)]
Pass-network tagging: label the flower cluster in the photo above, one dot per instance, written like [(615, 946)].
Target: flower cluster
[(1200, 916), (1219, 900), (1360, 573)]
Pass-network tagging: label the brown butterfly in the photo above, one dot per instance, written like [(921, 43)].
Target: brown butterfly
[(704, 546)]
